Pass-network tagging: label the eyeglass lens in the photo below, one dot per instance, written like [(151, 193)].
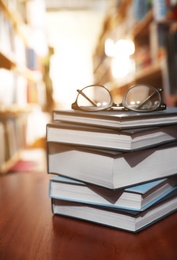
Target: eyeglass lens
[(99, 98), (142, 98)]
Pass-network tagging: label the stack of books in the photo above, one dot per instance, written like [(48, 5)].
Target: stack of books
[(117, 169)]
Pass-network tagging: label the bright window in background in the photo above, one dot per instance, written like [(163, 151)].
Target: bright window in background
[(36, 18), (74, 36)]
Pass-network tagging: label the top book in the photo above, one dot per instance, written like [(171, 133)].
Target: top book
[(117, 119)]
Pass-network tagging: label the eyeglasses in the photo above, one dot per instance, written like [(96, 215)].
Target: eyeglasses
[(139, 98)]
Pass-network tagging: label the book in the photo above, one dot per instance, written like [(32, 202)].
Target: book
[(138, 197), (129, 220), (172, 59), (160, 11), (127, 139), (3, 145), (140, 9), (110, 168), (158, 40), (118, 119)]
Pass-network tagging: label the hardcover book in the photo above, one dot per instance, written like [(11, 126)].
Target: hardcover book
[(127, 139), (133, 221), (110, 168), (118, 119), (138, 197)]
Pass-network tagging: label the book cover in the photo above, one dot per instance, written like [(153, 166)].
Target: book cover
[(118, 119), (138, 197), (110, 168), (127, 139)]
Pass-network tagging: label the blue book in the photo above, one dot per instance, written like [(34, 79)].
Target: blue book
[(129, 220), (138, 197)]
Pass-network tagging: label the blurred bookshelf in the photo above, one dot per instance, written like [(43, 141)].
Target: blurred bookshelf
[(154, 37), (22, 90)]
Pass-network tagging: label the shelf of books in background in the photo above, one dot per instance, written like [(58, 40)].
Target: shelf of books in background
[(113, 168), (138, 45), (22, 90)]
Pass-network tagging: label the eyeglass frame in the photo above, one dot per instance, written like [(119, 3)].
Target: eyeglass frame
[(121, 106)]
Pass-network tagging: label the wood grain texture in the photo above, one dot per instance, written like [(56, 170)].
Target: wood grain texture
[(29, 231)]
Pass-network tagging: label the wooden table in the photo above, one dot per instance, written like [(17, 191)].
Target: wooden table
[(28, 230)]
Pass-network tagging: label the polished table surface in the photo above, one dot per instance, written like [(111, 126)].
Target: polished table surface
[(28, 230)]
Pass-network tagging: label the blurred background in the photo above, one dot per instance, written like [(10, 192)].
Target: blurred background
[(73, 30), (51, 48)]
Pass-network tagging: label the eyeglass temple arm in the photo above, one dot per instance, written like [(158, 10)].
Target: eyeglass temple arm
[(92, 102), (148, 98)]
